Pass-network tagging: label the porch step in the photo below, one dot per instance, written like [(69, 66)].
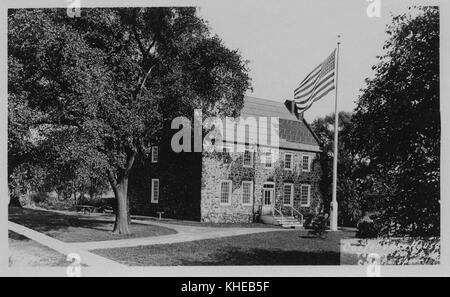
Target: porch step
[(287, 222)]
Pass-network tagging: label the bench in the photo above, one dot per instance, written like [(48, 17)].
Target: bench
[(107, 210), (160, 213), (85, 209)]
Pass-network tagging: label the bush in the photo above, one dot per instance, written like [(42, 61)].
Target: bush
[(368, 227), (39, 197), (319, 225), (308, 220)]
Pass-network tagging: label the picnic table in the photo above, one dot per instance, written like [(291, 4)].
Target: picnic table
[(85, 209)]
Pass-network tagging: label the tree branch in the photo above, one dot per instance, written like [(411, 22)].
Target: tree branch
[(144, 80), (145, 52), (112, 179), (136, 36), (150, 46), (130, 163)]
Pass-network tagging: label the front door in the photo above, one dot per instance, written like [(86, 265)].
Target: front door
[(268, 198)]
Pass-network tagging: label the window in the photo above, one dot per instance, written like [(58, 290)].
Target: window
[(288, 161), (288, 194), (155, 190), (226, 154), (247, 192), (248, 158), (268, 160), (306, 163), (225, 192), (305, 194), (226, 149), (154, 154)]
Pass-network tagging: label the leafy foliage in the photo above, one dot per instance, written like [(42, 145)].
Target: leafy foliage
[(97, 91), (319, 225), (397, 125), (389, 147), (350, 188)]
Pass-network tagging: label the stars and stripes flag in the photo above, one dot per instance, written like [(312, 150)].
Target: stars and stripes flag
[(316, 85)]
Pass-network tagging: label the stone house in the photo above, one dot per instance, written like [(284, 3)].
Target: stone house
[(259, 183)]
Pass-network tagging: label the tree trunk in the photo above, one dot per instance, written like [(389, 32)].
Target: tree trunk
[(121, 225), (120, 188)]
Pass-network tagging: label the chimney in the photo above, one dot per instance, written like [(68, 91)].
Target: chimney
[(290, 105)]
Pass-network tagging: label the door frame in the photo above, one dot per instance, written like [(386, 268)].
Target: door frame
[(266, 207)]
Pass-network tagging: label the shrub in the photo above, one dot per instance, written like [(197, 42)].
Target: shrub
[(308, 220), (368, 227), (38, 197), (319, 225)]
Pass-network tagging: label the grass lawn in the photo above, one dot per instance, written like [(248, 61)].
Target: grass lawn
[(271, 248), (73, 228), (25, 253)]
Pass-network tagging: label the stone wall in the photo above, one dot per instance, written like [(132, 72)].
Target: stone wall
[(218, 167)]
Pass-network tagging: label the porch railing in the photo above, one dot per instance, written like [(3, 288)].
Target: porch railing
[(275, 210), (294, 212)]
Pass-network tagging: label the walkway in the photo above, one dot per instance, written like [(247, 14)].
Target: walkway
[(86, 257), (185, 234)]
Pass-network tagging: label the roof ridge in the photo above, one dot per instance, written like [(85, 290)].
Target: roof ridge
[(262, 99)]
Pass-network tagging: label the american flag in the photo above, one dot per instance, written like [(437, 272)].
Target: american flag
[(316, 85)]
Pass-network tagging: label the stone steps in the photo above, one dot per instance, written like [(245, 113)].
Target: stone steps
[(288, 222)]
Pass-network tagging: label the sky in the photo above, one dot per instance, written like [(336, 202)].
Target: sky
[(286, 39)]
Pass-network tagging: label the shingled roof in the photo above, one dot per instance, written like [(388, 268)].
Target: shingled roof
[(295, 133)]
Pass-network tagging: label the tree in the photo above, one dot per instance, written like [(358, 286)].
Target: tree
[(101, 87), (397, 125), (350, 169)]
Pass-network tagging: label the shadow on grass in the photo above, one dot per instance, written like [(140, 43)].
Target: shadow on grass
[(15, 236), (43, 221), (73, 228), (268, 257), (269, 248)]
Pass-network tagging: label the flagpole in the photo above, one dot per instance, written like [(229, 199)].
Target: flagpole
[(334, 203)]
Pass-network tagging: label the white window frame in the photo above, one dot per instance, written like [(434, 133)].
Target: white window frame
[(291, 163), (230, 188), (309, 195), (251, 159), (265, 160), (291, 199), (153, 200), (251, 192), (309, 163), (155, 156)]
